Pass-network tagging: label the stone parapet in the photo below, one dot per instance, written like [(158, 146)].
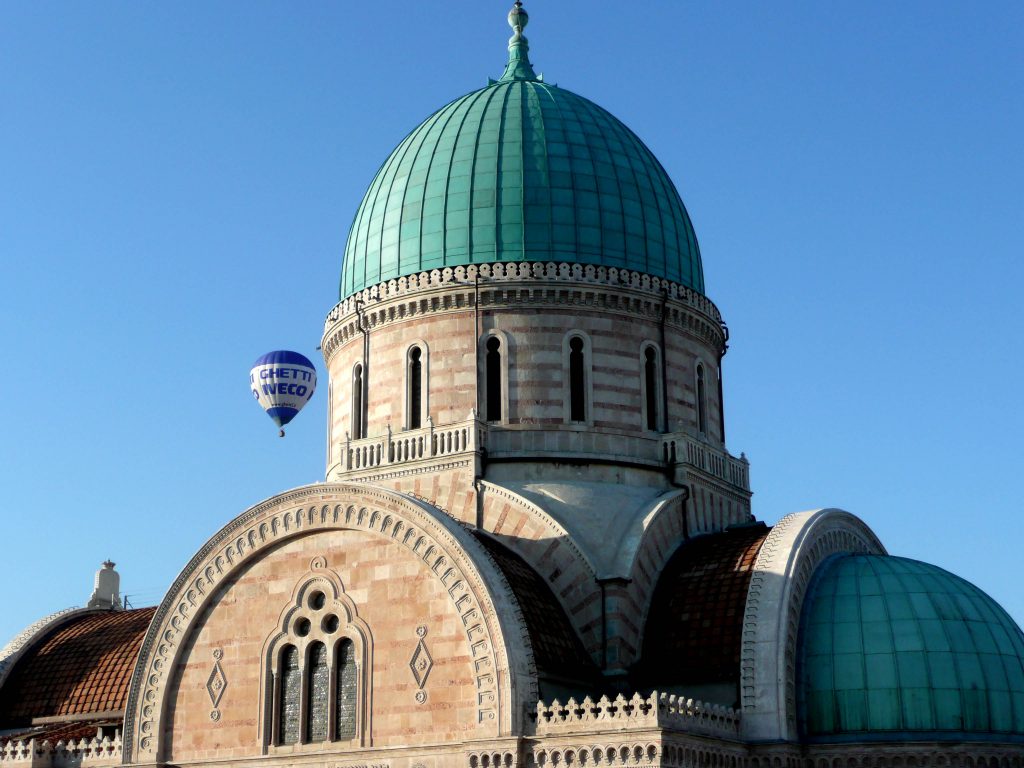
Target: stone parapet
[(682, 450), (659, 710), (71, 754), (414, 447)]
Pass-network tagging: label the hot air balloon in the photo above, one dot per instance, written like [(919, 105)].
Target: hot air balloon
[(282, 382)]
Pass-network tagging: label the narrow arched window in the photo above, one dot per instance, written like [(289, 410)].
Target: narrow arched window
[(345, 717), (493, 364), (651, 387), (358, 425), (291, 688), (415, 387), (577, 381), (318, 683), (702, 401)]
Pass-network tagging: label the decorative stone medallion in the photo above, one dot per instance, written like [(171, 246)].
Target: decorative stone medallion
[(421, 663), (216, 684)]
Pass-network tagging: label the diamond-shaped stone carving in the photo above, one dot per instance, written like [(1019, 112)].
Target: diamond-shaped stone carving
[(421, 663), (217, 683)]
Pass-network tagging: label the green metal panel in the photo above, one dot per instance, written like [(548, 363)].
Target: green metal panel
[(520, 171), (890, 647)]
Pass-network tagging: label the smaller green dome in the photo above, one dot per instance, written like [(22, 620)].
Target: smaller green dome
[(890, 647)]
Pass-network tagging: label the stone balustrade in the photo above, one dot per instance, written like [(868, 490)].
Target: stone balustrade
[(683, 448), (413, 445), (84, 753), (679, 449), (659, 710)]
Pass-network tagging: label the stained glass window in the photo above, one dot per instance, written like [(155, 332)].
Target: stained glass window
[(318, 692), (291, 685), (346, 691)]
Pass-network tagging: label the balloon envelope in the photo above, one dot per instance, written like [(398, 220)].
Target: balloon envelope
[(282, 382)]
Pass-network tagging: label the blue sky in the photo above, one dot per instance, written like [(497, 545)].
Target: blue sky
[(177, 181)]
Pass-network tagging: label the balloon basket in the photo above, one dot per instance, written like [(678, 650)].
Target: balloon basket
[(281, 433)]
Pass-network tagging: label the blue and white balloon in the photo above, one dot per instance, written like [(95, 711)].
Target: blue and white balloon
[(282, 382)]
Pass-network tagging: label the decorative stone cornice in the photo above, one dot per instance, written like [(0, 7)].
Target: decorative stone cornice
[(525, 285)]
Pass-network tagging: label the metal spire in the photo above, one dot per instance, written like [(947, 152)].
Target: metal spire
[(519, 66)]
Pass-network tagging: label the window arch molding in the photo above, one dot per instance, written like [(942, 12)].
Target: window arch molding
[(652, 396), (305, 621), (506, 350), (413, 417), (586, 393)]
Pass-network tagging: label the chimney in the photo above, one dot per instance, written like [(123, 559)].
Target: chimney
[(105, 594)]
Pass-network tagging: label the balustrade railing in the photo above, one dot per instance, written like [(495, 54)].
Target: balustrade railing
[(662, 710), (414, 445), (80, 753), (682, 448)]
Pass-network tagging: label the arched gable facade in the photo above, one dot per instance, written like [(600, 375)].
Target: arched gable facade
[(208, 636)]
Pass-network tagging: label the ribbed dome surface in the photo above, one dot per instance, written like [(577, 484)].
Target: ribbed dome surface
[(895, 646), (520, 171)]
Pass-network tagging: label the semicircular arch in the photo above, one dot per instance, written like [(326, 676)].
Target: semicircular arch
[(503, 662)]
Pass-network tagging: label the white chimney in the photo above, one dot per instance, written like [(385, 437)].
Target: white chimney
[(106, 592)]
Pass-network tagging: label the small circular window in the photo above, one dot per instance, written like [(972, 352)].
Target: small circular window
[(330, 624), (317, 600), (302, 627)]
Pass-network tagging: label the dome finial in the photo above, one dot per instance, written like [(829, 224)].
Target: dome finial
[(518, 67)]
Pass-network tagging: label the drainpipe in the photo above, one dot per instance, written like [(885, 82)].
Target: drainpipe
[(721, 401), (366, 371), (663, 426)]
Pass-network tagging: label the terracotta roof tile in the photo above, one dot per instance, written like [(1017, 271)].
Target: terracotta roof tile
[(81, 667), (557, 649), (695, 622)]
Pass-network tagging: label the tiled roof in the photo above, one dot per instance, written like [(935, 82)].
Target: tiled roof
[(557, 649), (696, 618), (81, 667)]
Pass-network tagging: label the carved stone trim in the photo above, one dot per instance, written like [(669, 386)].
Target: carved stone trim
[(475, 587), (512, 284), (796, 546)]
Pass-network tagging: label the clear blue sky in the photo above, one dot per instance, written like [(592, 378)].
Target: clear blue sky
[(177, 181)]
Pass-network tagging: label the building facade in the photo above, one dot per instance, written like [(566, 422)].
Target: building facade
[(532, 546)]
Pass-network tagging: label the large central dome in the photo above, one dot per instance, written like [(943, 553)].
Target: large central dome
[(520, 171)]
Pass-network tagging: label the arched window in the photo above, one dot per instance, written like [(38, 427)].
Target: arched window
[(346, 691), (493, 366), (577, 380), (358, 422), (318, 683), (652, 386), (290, 686), (320, 659), (414, 378), (702, 401)]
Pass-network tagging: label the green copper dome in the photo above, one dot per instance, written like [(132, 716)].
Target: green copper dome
[(891, 647), (520, 171)]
